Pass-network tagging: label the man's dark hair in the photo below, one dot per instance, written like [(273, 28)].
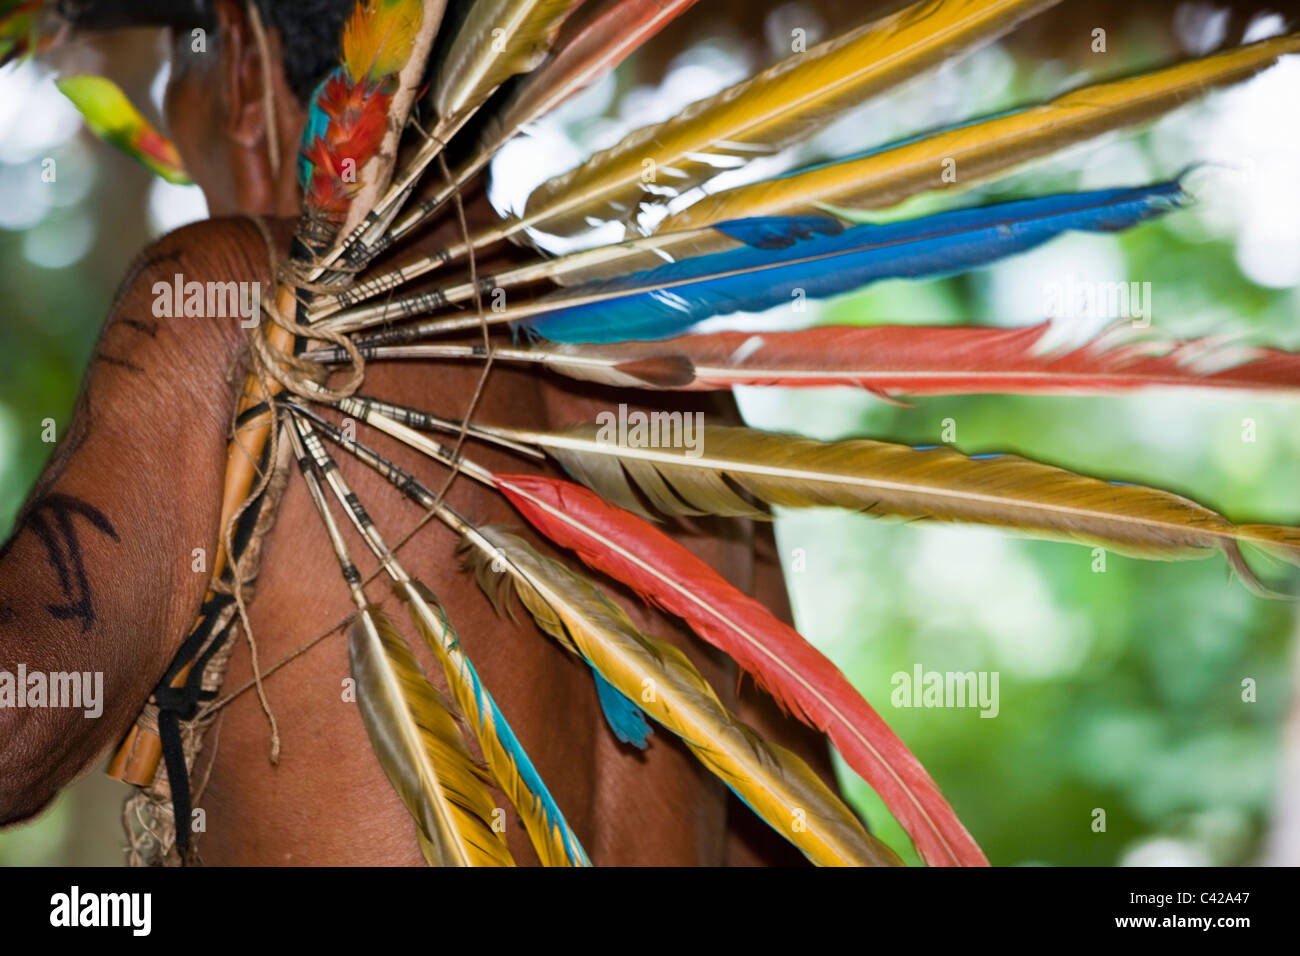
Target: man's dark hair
[(309, 36)]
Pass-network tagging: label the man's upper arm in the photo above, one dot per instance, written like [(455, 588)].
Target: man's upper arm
[(106, 564)]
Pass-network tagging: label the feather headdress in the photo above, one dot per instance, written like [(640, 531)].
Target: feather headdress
[(625, 315)]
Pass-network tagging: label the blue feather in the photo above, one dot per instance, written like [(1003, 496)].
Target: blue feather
[(318, 122), (527, 772), (667, 300), (625, 718), (779, 232)]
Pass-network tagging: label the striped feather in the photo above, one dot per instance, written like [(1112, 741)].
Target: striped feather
[(421, 749), (556, 844)]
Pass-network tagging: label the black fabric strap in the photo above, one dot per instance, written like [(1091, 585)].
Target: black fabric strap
[(176, 704)]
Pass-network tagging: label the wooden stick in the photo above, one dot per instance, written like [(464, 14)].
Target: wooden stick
[(137, 757)]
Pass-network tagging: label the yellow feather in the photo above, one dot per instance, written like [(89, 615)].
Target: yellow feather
[(547, 839), (776, 784), (379, 37), (935, 483), (771, 110), (983, 150), (421, 749), (499, 39)]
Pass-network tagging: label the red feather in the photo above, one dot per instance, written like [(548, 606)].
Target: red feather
[(358, 120), (799, 676), (607, 40), (945, 360)]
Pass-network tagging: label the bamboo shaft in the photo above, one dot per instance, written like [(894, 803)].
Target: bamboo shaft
[(137, 757)]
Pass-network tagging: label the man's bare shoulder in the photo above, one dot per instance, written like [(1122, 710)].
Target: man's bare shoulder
[(226, 249)]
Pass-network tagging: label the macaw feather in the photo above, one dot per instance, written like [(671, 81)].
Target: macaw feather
[(910, 360), (421, 749), (789, 668), (610, 36), (111, 115), (499, 39), (741, 467), (886, 176), (774, 782), (671, 298), (555, 843), (379, 38), (782, 259), (773, 109), (984, 150)]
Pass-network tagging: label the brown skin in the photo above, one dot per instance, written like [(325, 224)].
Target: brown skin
[(158, 483)]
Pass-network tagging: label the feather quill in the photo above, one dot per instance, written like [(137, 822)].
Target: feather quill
[(774, 782), (936, 483), (514, 773), (983, 150), (624, 717), (799, 676)]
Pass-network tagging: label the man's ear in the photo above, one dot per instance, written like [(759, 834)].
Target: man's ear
[(242, 76), (263, 121)]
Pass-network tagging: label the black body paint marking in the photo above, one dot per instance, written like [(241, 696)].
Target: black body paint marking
[(63, 547), (138, 268), (113, 360), (147, 328)]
